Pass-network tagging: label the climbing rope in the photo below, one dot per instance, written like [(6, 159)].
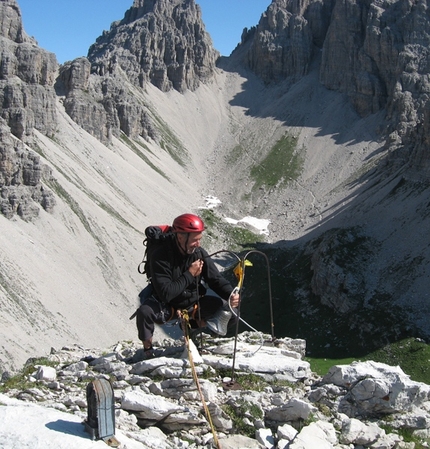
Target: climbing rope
[(185, 319)]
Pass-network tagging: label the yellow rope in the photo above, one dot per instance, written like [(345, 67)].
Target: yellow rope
[(186, 324)]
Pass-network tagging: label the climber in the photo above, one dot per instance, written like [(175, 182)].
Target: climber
[(178, 266)]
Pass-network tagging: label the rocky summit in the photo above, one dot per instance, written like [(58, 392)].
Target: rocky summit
[(264, 397), (161, 42)]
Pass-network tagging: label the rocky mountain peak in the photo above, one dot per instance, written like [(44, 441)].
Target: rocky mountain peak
[(27, 76), (27, 96), (11, 22), (159, 7), (163, 42)]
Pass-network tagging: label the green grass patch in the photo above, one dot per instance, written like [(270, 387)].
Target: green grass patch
[(321, 366), (20, 381), (411, 354), (407, 434), (283, 163), (241, 409), (251, 381)]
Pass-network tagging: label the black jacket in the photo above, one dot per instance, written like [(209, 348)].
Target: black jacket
[(174, 284)]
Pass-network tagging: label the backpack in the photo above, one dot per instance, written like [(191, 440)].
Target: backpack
[(155, 236)]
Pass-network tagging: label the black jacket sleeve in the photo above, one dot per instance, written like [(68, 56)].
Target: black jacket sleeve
[(214, 278)]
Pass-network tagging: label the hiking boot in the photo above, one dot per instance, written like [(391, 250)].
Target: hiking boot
[(148, 353), (143, 354)]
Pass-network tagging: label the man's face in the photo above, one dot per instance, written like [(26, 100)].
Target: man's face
[(189, 242)]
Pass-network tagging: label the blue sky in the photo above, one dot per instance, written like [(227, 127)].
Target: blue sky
[(68, 27)]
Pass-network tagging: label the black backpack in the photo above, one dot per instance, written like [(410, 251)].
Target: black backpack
[(155, 235)]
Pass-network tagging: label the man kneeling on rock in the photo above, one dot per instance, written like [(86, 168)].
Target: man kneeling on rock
[(177, 268)]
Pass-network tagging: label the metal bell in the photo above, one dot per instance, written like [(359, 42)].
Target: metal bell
[(219, 322)]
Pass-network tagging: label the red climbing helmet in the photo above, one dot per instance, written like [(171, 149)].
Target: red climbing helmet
[(188, 223)]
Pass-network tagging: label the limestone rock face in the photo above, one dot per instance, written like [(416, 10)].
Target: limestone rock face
[(335, 281), (21, 173), (27, 76), (285, 40), (10, 21), (27, 98), (346, 60), (374, 52), (377, 52), (158, 41), (81, 105), (102, 105)]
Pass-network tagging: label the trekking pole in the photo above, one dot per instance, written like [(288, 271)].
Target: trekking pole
[(185, 320)]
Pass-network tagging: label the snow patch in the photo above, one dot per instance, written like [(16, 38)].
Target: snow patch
[(260, 224), (257, 223)]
